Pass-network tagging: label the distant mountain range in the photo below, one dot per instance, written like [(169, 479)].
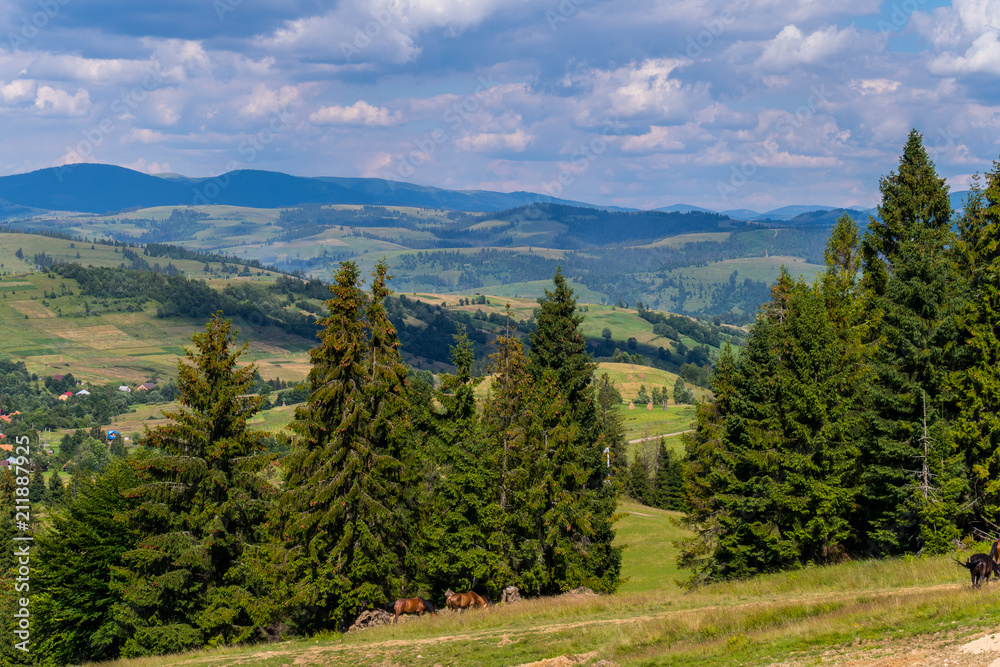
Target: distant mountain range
[(101, 188)]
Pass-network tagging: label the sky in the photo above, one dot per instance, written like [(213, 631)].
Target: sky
[(724, 104)]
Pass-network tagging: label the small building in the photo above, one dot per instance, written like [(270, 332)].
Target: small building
[(65, 396), (57, 378), (6, 418), (83, 392), (124, 388), (146, 386), (7, 448)]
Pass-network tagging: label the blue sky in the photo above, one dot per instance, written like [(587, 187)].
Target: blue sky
[(719, 103)]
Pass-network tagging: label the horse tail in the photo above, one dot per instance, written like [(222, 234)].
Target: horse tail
[(966, 565), (429, 607), (390, 607)]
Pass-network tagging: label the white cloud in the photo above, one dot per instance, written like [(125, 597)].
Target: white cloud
[(19, 90), (359, 113), (658, 138), (792, 47), (517, 141), (264, 101), (638, 89), (875, 86), (983, 56), (60, 103)]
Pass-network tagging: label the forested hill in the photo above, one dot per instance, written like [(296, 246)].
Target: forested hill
[(101, 188)]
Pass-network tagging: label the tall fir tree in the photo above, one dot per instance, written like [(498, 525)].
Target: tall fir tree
[(976, 384), (911, 280), (76, 607), (201, 505), (559, 362), (466, 507), (339, 516)]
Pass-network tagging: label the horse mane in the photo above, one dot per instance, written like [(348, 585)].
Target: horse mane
[(430, 607)]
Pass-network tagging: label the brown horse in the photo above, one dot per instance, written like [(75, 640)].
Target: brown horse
[(466, 600), (412, 606)]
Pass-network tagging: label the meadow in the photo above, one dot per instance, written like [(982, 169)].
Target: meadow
[(898, 611)]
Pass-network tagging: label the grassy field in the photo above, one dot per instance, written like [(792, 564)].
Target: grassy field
[(892, 612)]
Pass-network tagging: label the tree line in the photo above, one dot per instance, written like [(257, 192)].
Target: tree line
[(860, 418), (391, 488)]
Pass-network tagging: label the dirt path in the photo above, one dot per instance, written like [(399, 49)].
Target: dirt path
[(657, 437)]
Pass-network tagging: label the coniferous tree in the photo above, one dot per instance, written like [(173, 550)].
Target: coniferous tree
[(339, 516), (669, 481), (200, 510), (36, 490), (465, 508), (559, 363), (56, 490), (977, 383), (503, 425), (76, 606), (912, 289), (638, 479)]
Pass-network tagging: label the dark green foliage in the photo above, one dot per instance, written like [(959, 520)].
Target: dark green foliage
[(339, 518), (200, 509), (976, 383), (913, 293), (668, 484), (638, 480), (56, 490), (75, 609), (682, 395), (36, 491)]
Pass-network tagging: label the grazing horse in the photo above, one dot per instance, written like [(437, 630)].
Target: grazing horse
[(980, 567), (466, 600), (411, 606)]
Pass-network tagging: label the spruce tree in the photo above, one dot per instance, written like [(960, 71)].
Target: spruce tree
[(976, 384), (201, 506), (668, 484), (56, 491), (36, 490), (912, 289), (465, 505), (76, 609), (339, 515), (559, 362)]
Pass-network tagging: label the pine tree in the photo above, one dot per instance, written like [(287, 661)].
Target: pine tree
[(57, 491), (36, 490), (465, 508), (976, 383), (559, 362), (339, 515), (669, 481), (504, 431), (76, 607), (201, 506), (912, 294), (638, 479)]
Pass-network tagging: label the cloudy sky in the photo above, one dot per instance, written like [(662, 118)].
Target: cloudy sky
[(719, 103)]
